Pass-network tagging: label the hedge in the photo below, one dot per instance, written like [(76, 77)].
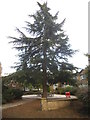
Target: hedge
[(72, 90), (9, 94)]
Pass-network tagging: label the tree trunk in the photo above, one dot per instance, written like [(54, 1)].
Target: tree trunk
[(44, 74), (44, 82)]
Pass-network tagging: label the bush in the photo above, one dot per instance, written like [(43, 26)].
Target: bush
[(17, 93), (83, 96), (48, 88), (70, 89), (9, 94)]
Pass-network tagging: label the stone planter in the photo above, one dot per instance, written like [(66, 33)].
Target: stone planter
[(52, 104)]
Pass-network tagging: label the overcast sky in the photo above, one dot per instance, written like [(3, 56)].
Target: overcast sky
[(13, 13)]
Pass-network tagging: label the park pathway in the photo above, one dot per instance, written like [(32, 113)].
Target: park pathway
[(15, 103)]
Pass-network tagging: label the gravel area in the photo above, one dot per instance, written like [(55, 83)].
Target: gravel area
[(31, 108)]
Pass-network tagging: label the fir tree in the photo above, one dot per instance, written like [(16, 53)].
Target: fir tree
[(46, 47)]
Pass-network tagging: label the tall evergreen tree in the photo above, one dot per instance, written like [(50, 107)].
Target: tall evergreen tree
[(46, 47)]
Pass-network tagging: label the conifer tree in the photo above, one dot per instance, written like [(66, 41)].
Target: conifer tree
[(46, 46)]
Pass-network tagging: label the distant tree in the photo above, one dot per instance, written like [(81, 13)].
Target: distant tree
[(46, 46), (65, 77)]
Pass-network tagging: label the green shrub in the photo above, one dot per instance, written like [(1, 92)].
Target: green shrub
[(56, 91), (72, 90), (61, 91), (17, 93), (48, 88), (9, 94), (83, 96)]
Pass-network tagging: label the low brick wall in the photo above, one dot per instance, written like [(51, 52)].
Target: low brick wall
[(52, 104)]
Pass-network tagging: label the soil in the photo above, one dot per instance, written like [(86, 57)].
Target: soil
[(32, 109)]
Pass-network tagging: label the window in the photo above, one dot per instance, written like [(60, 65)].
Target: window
[(82, 77)]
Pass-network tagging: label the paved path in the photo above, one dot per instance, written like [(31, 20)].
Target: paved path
[(51, 96), (15, 103)]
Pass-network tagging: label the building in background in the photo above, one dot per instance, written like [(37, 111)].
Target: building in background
[(82, 77)]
